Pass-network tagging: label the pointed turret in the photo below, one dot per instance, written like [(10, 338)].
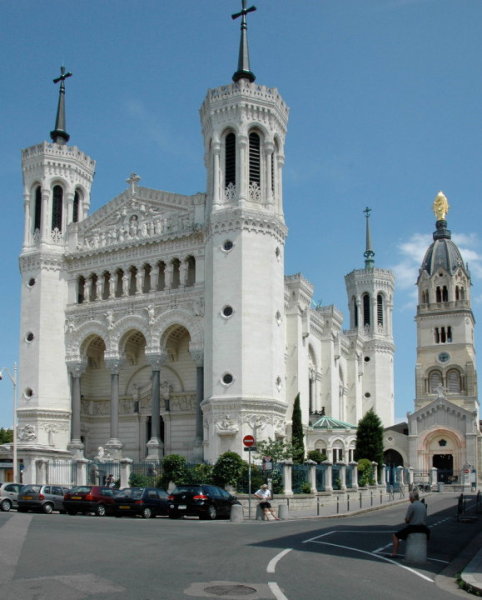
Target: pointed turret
[(59, 135), (368, 254), (244, 71)]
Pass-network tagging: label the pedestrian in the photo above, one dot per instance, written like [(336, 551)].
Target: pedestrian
[(109, 482), (264, 495), (415, 519)]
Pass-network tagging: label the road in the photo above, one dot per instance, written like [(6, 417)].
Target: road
[(86, 557)]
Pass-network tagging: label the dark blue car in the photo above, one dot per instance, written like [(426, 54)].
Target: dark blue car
[(144, 501)]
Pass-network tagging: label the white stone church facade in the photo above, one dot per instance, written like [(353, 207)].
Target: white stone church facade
[(163, 323)]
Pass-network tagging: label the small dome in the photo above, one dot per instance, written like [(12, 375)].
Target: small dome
[(442, 253)]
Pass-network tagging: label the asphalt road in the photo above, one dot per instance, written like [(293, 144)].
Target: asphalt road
[(85, 557)]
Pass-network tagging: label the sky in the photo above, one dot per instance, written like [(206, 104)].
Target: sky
[(385, 102)]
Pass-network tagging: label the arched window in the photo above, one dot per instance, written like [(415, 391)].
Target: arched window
[(366, 309), (438, 294), (146, 284), (57, 199), (355, 313), (37, 220), (80, 289), (230, 160), (445, 294), (132, 280), (75, 207), (191, 271), (254, 159), (380, 309), (453, 381), (106, 286), (176, 274), (161, 280), (119, 276), (434, 380)]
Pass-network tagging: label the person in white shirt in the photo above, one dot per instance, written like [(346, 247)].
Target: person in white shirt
[(264, 495)]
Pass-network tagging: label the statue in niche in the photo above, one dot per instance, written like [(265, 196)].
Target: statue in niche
[(227, 426), (150, 314), (109, 317), (166, 390), (439, 390)]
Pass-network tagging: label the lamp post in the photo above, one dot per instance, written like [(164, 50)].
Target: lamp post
[(13, 378)]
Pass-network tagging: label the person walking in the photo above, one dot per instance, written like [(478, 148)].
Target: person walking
[(415, 519)]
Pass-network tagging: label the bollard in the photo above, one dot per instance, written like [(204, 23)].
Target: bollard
[(283, 512), (416, 551), (259, 513), (236, 515), (348, 503)]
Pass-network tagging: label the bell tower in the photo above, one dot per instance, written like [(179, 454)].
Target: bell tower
[(244, 127), (370, 302), (57, 180)]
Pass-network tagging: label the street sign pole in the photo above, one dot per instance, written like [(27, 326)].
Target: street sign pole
[(249, 486)]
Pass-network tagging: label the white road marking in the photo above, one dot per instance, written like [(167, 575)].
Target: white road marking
[(379, 556), (318, 537), (277, 593), (271, 568)]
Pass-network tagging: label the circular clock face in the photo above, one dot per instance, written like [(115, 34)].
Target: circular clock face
[(444, 357)]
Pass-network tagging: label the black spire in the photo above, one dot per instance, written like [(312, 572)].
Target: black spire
[(244, 71), (59, 135), (368, 254)]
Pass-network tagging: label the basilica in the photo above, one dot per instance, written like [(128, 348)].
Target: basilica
[(164, 323)]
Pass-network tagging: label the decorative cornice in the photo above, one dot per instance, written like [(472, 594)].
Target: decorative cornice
[(254, 221)]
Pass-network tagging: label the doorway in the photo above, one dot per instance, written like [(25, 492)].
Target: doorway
[(444, 464)]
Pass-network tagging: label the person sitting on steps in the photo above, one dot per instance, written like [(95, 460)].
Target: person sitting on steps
[(264, 495)]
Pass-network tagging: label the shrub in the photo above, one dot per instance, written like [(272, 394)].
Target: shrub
[(138, 480), (365, 472), (228, 469), (305, 488), (201, 473), (316, 455), (174, 469)]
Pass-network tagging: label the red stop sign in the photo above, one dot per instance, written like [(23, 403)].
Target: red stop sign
[(248, 441)]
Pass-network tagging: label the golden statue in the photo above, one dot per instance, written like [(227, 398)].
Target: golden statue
[(440, 206)]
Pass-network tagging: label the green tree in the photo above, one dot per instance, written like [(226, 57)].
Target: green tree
[(297, 434), (369, 438), (228, 469), (6, 436), (278, 450), (316, 455)]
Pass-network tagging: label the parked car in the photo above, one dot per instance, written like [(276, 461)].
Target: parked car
[(147, 502), (46, 498), (90, 498), (9, 495), (203, 501)]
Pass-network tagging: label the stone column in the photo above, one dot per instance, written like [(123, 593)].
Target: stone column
[(197, 355), (342, 476), (125, 284), (410, 475), (399, 475), (75, 446), (41, 468), (375, 471), (27, 227), (114, 445), (81, 471), (242, 174), (287, 477), (139, 280), (433, 477), (269, 175), (312, 475), (168, 275), (384, 476), (218, 187), (87, 289), (46, 215), (155, 445), (98, 287), (125, 472), (354, 475), (328, 476), (183, 273), (154, 278)]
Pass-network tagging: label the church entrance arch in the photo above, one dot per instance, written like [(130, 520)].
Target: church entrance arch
[(444, 450)]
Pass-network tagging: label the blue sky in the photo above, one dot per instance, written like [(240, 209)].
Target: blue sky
[(385, 104)]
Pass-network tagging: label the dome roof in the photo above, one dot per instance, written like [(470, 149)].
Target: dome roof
[(331, 423), (442, 253)]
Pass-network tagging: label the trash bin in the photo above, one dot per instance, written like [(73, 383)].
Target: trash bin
[(440, 486)]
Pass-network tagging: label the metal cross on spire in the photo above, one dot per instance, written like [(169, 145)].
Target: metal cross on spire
[(244, 72), (59, 135), (368, 254)]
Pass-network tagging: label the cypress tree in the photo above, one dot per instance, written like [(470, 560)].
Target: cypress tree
[(297, 433), (369, 438)]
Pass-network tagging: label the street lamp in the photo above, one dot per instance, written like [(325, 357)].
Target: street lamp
[(13, 378)]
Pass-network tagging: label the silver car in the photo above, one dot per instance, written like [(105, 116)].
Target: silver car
[(46, 498), (8, 495)]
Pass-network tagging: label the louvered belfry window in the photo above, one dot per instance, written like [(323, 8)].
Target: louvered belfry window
[(230, 160), (366, 309), (254, 159), (58, 194), (75, 208), (380, 309), (453, 381), (435, 380), (38, 208)]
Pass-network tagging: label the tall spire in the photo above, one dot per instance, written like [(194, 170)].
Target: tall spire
[(368, 254), (244, 71), (59, 135)]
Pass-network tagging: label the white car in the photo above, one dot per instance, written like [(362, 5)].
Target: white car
[(9, 495)]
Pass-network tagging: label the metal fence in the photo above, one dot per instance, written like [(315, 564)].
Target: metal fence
[(300, 476), (320, 471), (62, 472)]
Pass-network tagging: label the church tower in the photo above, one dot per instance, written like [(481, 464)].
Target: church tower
[(370, 301), (444, 428), (244, 127), (445, 322), (57, 179)]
